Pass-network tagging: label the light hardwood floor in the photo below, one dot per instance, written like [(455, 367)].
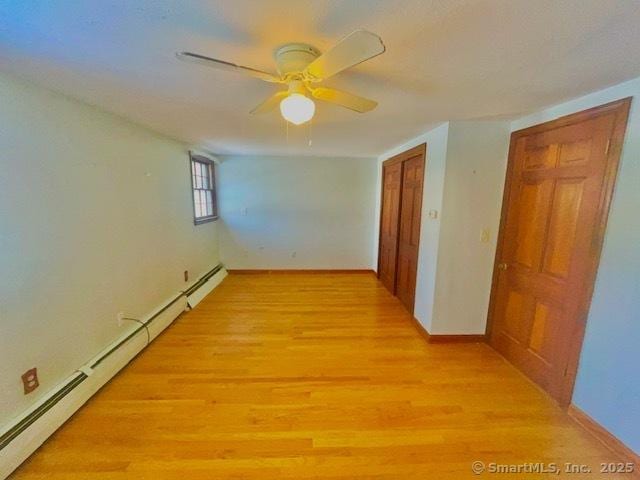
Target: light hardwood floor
[(299, 376)]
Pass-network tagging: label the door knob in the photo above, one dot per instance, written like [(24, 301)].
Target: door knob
[(502, 266)]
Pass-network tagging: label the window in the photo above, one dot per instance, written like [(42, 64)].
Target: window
[(203, 181)]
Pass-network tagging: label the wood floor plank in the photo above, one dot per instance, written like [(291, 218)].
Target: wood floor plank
[(310, 376)]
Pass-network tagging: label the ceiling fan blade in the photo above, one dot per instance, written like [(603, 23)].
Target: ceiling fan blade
[(352, 50), (228, 66), (344, 99), (270, 103)]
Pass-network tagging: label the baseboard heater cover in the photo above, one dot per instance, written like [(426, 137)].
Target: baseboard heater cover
[(20, 440), (194, 297)]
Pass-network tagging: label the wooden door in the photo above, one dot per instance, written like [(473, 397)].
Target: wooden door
[(559, 184), (409, 238), (401, 204), (389, 225)]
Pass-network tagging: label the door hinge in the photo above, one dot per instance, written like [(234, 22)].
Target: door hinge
[(606, 149)]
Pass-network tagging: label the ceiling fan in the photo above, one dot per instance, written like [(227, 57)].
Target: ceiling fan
[(301, 67)]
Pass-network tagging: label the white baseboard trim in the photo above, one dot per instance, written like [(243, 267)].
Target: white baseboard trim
[(63, 401)]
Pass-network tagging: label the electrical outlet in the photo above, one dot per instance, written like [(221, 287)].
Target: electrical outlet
[(30, 380), (186, 275), (120, 318), (294, 254), (484, 235)]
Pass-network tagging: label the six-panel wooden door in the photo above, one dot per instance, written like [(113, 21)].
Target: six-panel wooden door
[(558, 189)]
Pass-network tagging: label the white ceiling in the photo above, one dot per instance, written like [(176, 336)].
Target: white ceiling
[(445, 60)]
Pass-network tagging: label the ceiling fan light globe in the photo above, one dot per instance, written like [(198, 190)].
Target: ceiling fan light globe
[(297, 108)]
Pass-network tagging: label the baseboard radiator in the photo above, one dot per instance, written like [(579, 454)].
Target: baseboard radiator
[(23, 437)]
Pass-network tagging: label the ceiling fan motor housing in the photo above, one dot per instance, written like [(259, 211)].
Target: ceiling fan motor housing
[(293, 58)]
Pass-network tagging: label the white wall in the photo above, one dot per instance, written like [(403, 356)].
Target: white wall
[(436, 140), (607, 386), (464, 175), (95, 218), (473, 184), (296, 212)]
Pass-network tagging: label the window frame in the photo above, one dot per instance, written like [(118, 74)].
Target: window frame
[(211, 165)]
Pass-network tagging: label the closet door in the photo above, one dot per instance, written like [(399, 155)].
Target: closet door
[(409, 238), (401, 205), (389, 224)]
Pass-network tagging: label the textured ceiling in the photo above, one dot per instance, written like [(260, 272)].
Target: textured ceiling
[(445, 60)]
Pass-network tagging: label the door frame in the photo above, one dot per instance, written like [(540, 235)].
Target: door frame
[(621, 110), (398, 158)]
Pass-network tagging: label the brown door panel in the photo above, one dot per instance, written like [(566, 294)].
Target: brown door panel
[(389, 218), (402, 184), (559, 183), (409, 239)]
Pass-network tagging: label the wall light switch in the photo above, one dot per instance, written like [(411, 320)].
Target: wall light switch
[(433, 214), (484, 235), (243, 211)]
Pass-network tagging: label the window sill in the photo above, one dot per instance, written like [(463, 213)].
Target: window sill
[(200, 221)]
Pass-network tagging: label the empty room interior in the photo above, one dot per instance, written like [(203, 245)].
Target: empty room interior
[(319, 239)]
